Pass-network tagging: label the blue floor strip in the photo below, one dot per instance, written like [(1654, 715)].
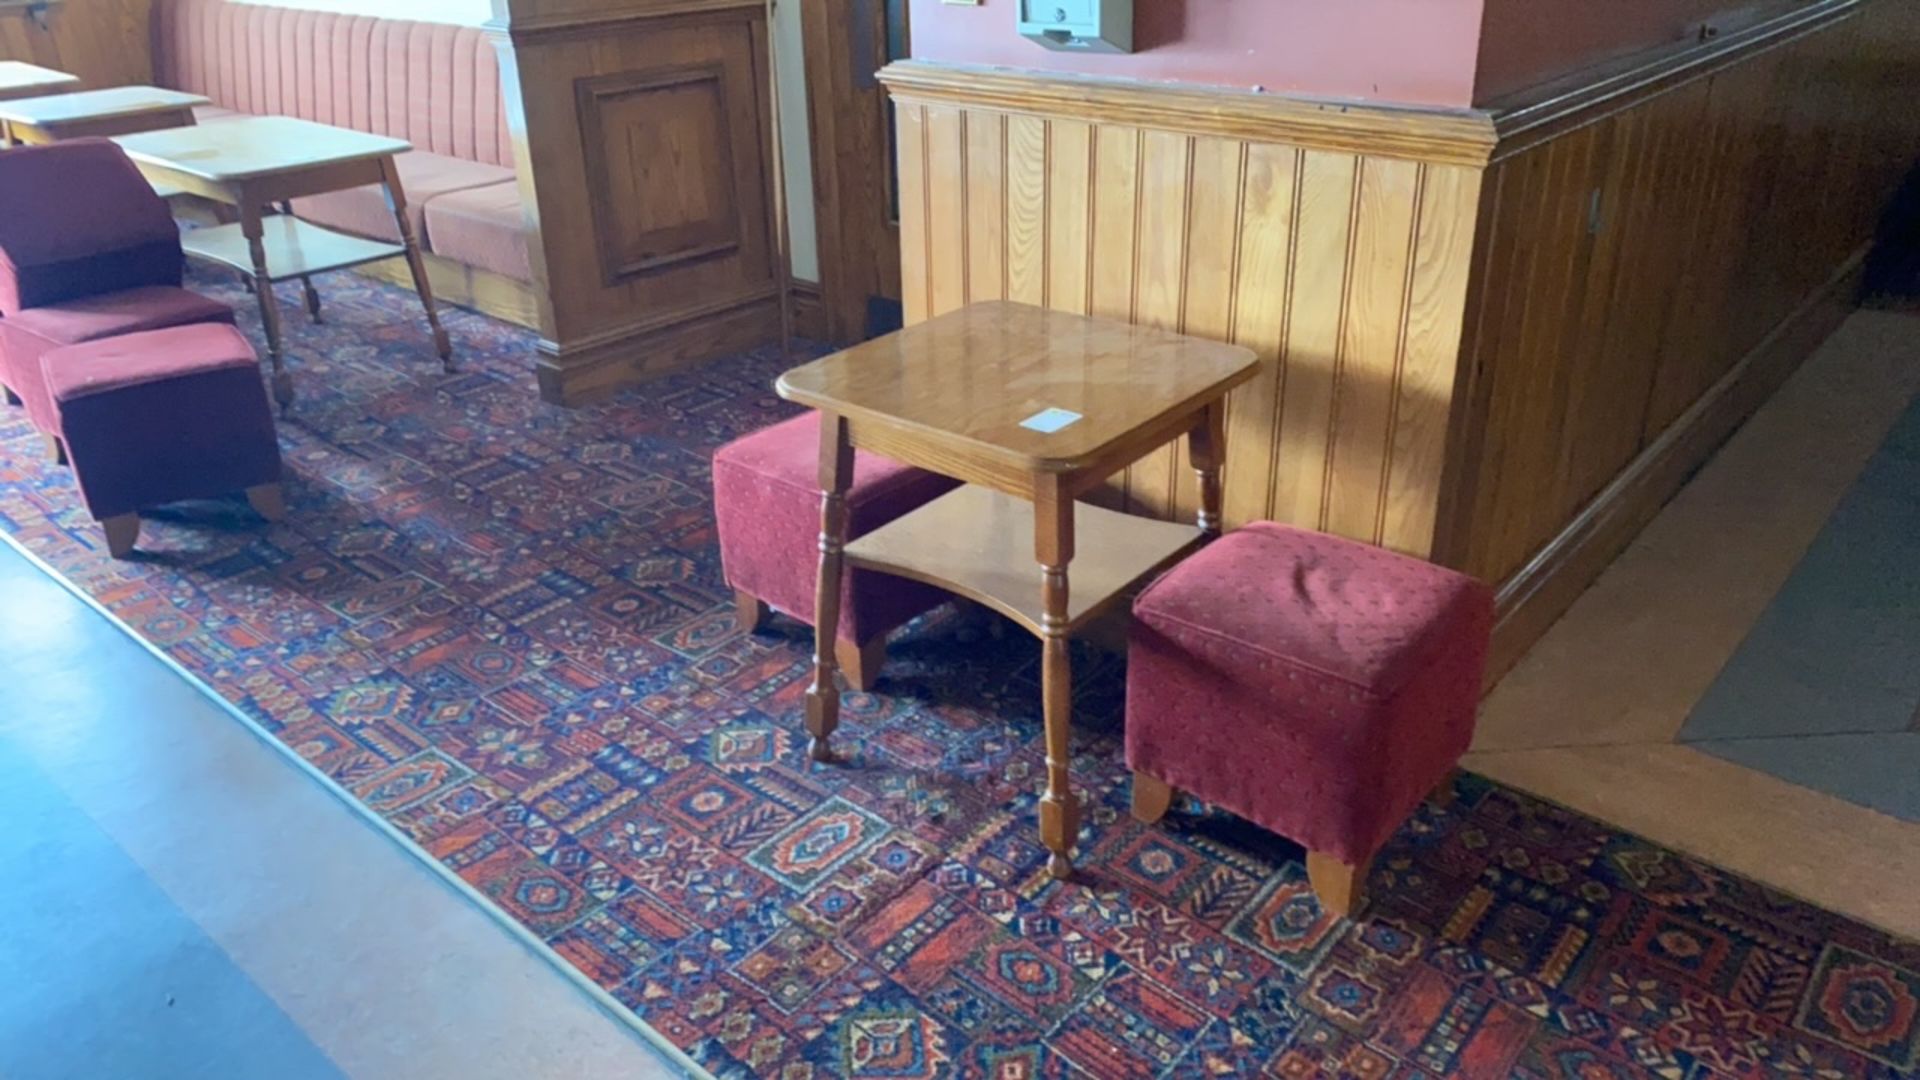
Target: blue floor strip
[(1825, 689), (97, 965)]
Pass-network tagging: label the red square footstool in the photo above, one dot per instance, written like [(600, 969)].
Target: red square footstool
[(161, 416), (766, 497), (1313, 685)]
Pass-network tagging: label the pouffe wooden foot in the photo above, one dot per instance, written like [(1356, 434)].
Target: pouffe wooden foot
[(268, 501), (123, 533), (1152, 798), (1340, 886)]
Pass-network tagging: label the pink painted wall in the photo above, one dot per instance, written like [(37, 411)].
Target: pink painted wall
[(1525, 42), (1420, 52), (1449, 53)]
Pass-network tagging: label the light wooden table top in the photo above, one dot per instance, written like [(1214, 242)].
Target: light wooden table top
[(55, 109), (1038, 390), (18, 79), (256, 146)]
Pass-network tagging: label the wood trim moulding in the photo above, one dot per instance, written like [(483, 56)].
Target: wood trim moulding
[(810, 319), (1530, 117), (691, 241), (1542, 590), (596, 366), (543, 28), (1451, 137)]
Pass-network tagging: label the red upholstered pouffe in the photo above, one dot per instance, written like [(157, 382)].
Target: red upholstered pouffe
[(1316, 686), (766, 495), (164, 415)]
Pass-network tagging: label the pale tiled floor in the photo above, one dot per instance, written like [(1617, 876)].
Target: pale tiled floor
[(1589, 718)]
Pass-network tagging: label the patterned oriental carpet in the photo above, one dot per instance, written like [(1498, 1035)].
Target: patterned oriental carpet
[(502, 626)]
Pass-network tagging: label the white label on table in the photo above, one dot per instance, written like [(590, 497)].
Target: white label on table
[(1048, 421)]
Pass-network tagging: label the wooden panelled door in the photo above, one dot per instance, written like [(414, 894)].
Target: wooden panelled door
[(857, 194)]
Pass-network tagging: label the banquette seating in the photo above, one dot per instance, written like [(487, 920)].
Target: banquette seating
[(435, 85)]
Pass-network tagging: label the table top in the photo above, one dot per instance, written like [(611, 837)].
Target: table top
[(17, 77), (55, 109), (255, 146), (1042, 390)]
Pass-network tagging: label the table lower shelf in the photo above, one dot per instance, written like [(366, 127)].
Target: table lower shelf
[(294, 248), (979, 543)]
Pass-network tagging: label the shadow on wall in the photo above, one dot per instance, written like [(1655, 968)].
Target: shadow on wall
[(1893, 267), (1158, 23)]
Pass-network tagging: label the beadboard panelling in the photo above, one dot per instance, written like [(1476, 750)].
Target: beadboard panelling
[(1633, 261), (1346, 273)]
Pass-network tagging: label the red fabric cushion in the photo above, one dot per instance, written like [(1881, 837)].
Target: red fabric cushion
[(766, 490), (130, 360), (1314, 685), (1326, 606), (132, 311), (79, 220), (483, 227), (27, 336), (363, 210), (155, 417)]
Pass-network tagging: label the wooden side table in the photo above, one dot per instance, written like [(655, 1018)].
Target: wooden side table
[(19, 80), (1032, 409), (256, 162), (120, 110)]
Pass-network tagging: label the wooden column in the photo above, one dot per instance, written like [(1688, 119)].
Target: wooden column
[(642, 132)]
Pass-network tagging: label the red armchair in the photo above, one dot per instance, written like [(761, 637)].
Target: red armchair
[(147, 388), (87, 251)]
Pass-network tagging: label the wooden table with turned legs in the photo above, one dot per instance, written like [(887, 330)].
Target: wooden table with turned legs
[(260, 162), (1032, 410), (19, 79)]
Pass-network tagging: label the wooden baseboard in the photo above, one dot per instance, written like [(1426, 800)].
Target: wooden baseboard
[(1541, 591), (593, 369), (457, 283), (809, 312)]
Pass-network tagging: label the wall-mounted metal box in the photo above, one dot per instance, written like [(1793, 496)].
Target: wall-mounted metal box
[(1079, 25)]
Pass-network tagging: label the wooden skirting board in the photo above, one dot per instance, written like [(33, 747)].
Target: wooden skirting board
[(595, 369), (1531, 600)]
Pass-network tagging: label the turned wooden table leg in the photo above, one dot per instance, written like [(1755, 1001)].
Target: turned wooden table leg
[(254, 231), (1053, 546), (836, 474), (306, 280), (1206, 447), (416, 263)]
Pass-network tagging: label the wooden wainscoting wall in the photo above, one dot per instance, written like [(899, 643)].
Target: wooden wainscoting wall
[(1499, 339), (1658, 252), (640, 131), (104, 42), (1334, 243)]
